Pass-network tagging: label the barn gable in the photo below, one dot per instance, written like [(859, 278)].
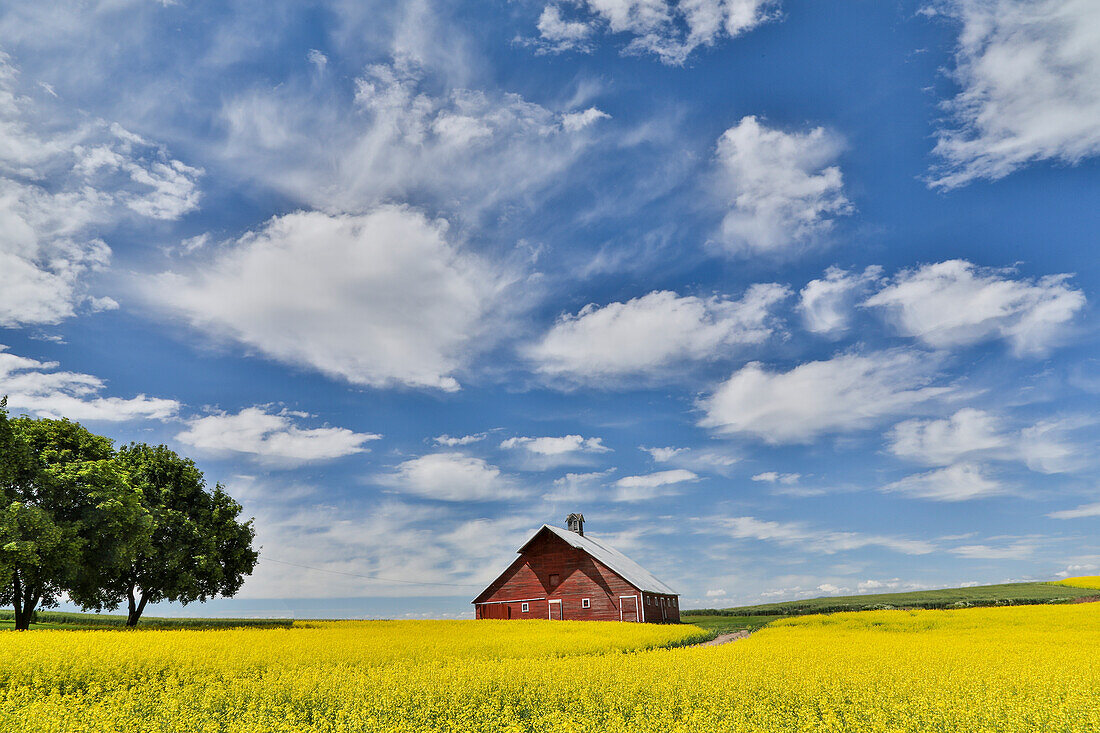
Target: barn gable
[(564, 574)]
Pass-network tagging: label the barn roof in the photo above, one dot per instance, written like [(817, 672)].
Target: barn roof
[(629, 570)]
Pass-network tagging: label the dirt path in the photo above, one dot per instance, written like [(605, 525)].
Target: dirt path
[(725, 638)]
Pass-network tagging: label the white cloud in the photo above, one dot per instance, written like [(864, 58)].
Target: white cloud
[(662, 455), (848, 392), (403, 137), (827, 304), (1045, 448), (830, 589), (669, 29), (652, 485), (272, 437), (549, 446), (1082, 512), (970, 433), (452, 441), (318, 59), (540, 454), (559, 34), (716, 593), (1029, 77), (450, 476), (958, 482), (695, 459), (781, 190), (650, 334), (774, 477), (956, 303), (942, 442), (1015, 551), (65, 181), (809, 539), (574, 121), (578, 486), (39, 389), (378, 299)]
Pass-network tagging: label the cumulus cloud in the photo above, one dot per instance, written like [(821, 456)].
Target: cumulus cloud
[(780, 190), (956, 303), (969, 433), (450, 476), (827, 304), (540, 454), (810, 539), (38, 388), (406, 135), (652, 485), (558, 34), (669, 29), (273, 438), (648, 335), (64, 183), (958, 482), (942, 442), (848, 392), (1029, 78), (378, 299), (549, 446)]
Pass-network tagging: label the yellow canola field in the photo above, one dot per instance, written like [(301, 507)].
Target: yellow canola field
[(1024, 668), (1083, 581)]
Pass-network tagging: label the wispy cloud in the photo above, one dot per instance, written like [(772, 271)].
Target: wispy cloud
[(39, 388)]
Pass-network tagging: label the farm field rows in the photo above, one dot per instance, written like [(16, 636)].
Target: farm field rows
[(1008, 669)]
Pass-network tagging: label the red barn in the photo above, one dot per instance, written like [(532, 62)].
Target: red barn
[(565, 574)]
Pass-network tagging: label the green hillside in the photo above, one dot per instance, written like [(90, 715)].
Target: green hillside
[(1007, 594)]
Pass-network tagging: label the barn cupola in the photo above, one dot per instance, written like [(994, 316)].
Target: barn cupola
[(575, 523)]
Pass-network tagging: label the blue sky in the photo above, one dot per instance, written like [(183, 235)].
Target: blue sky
[(789, 298)]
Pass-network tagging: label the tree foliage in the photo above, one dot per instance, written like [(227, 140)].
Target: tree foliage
[(103, 526), (68, 513), (197, 548)]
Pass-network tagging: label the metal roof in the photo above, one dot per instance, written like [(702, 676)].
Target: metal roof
[(630, 571)]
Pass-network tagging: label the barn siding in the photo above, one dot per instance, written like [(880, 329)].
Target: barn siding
[(581, 576)]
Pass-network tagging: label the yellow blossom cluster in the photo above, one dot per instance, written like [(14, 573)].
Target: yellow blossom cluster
[(1082, 581), (1023, 668)]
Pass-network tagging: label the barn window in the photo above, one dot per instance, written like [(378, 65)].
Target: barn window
[(554, 580), (586, 603), (524, 607)]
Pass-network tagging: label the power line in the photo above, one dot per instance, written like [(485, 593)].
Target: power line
[(367, 577)]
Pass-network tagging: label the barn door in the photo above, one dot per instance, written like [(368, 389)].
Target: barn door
[(628, 608), (555, 610)]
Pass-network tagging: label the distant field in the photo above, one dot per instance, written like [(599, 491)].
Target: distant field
[(61, 620), (1012, 669), (1008, 594), (1085, 581)]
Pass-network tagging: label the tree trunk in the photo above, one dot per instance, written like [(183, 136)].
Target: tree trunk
[(25, 600), (134, 608)]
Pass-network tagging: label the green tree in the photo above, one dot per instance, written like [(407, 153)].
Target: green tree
[(68, 514), (197, 549)]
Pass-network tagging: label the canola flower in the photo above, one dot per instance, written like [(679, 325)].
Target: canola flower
[(1082, 581), (1033, 668)]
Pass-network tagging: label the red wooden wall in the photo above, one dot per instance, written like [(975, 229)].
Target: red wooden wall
[(580, 576)]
